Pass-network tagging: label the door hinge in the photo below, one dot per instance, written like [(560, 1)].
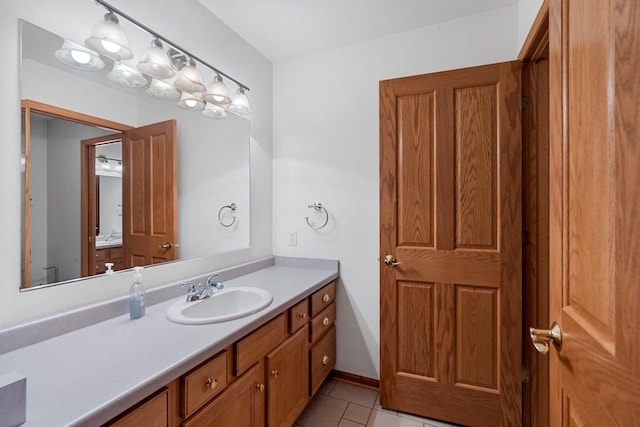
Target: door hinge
[(525, 103), (525, 374), (525, 238)]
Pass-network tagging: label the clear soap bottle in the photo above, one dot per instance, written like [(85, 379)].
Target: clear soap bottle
[(136, 295)]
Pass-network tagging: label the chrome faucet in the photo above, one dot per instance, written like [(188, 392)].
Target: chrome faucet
[(199, 291)]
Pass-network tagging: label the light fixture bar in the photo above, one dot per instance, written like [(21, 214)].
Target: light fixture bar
[(143, 27)]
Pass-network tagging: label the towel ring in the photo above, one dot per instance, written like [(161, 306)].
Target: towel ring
[(318, 207), (232, 207)]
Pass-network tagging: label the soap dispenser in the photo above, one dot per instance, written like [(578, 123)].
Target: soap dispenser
[(136, 295)]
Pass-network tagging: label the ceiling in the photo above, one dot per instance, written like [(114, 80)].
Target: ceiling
[(285, 29)]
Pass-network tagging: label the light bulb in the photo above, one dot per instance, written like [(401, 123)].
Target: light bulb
[(110, 46), (191, 103), (106, 165), (80, 57)]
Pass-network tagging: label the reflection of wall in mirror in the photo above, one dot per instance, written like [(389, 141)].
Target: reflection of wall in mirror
[(110, 193), (38, 218)]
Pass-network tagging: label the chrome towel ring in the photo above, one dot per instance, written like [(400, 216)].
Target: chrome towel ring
[(318, 207), (232, 207)]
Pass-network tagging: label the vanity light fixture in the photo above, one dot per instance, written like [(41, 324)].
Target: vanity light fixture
[(78, 56), (109, 40), (155, 62), (189, 78), (162, 90), (214, 111), (240, 103), (118, 167), (191, 101), (127, 76), (217, 92)]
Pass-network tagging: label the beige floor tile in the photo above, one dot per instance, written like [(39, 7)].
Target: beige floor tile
[(323, 411), (378, 407), (326, 386), (358, 413), (347, 423), (384, 419), (360, 395), (427, 421)]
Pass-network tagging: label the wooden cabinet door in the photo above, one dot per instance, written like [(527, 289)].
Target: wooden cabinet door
[(450, 213), (288, 380), (595, 211), (240, 405), (150, 194)]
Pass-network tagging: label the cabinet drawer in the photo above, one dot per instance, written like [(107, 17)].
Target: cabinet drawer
[(323, 298), (153, 412), (298, 315), (255, 346), (322, 359), (115, 253), (101, 254), (322, 322), (203, 383)]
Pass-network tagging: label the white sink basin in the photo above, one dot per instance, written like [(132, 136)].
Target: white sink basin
[(224, 305)]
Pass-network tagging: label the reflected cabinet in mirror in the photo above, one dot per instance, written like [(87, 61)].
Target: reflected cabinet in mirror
[(113, 178)]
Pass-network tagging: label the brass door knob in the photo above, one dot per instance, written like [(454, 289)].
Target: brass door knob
[(275, 373), (211, 383), (325, 321), (542, 337), (325, 359), (260, 387), (391, 261), (326, 298)]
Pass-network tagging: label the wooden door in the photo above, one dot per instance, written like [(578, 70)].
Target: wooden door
[(450, 188), (288, 380), (595, 211), (150, 195)]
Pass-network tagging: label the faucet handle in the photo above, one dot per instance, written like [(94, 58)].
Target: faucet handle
[(192, 293), (210, 279)]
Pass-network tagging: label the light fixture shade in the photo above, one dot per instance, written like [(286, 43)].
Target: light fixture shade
[(217, 92), (189, 79), (214, 111), (191, 101), (109, 40), (240, 103), (78, 56), (162, 90), (155, 63), (126, 75)]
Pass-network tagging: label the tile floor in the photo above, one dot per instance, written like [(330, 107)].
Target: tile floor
[(340, 404)]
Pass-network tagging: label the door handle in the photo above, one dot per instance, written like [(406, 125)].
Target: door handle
[(541, 338), (169, 245), (391, 261)]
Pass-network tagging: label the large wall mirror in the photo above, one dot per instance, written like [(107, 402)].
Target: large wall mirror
[(78, 128)]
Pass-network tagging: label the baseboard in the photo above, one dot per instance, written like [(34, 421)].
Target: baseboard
[(355, 379)]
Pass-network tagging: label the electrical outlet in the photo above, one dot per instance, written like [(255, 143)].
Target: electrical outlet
[(292, 237)]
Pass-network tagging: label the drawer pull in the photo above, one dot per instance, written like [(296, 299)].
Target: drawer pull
[(325, 321), (325, 359), (211, 383), (302, 315), (260, 387), (275, 373), (326, 298)]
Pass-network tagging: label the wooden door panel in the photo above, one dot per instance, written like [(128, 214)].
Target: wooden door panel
[(450, 213), (595, 207), (138, 192)]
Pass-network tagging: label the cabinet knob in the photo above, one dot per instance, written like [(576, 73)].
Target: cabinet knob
[(211, 383), (325, 321), (260, 387), (326, 298), (302, 315), (325, 359), (275, 373)]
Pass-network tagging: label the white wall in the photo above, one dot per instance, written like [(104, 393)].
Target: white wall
[(38, 201), (188, 24), (527, 12), (326, 149)]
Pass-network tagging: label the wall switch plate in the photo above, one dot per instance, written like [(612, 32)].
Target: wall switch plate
[(292, 237)]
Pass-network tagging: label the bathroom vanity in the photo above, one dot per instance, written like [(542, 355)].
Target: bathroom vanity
[(257, 370)]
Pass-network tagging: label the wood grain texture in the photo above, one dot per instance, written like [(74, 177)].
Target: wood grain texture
[(318, 369), (416, 169), (416, 333), (492, 158), (153, 412), (538, 33), (196, 390), (321, 323), (256, 345), (595, 111), (475, 166)]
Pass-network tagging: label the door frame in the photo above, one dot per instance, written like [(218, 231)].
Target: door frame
[(29, 106)]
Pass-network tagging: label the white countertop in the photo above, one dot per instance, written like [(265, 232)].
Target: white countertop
[(87, 376)]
